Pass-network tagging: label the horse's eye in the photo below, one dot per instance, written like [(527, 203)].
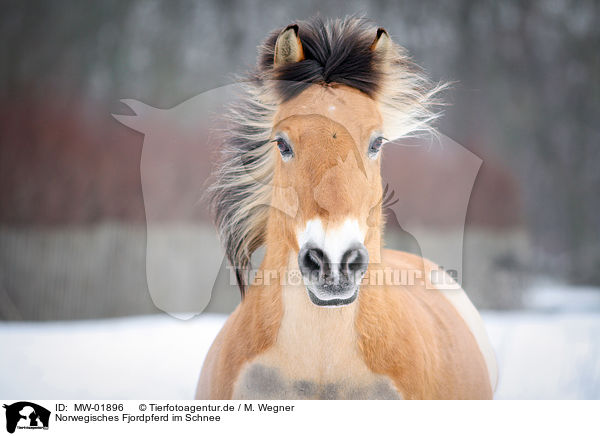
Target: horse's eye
[(284, 149), (375, 146)]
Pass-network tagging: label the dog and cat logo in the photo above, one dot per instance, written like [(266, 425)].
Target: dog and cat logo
[(26, 415)]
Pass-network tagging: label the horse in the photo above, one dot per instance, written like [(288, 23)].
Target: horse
[(306, 139)]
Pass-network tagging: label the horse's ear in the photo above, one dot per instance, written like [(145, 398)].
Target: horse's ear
[(288, 48), (382, 41)]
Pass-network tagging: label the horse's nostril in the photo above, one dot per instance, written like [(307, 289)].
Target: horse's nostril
[(354, 261), (312, 260), (315, 265)]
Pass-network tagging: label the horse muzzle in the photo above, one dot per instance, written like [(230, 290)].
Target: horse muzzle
[(332, 283)]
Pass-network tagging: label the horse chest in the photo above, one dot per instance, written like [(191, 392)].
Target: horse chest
[(315, 356), (259, 381)]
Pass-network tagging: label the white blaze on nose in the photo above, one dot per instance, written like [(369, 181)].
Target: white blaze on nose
[(334, 241)]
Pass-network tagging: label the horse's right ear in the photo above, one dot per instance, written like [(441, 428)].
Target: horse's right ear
[(288, 48)]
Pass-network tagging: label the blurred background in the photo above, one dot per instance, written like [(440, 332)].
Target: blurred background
[(526, 100)]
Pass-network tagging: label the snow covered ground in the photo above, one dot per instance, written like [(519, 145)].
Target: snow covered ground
[(541, 356)]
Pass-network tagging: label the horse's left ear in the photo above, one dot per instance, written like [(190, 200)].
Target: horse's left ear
[(382, 41), (288, 48)]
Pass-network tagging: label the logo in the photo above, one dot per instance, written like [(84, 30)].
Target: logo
[(26, 415), (428, 175)]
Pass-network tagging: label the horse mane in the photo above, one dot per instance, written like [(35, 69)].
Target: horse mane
[(335, 51)]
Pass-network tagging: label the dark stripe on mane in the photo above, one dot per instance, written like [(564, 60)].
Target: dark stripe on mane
[(334, 52)]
